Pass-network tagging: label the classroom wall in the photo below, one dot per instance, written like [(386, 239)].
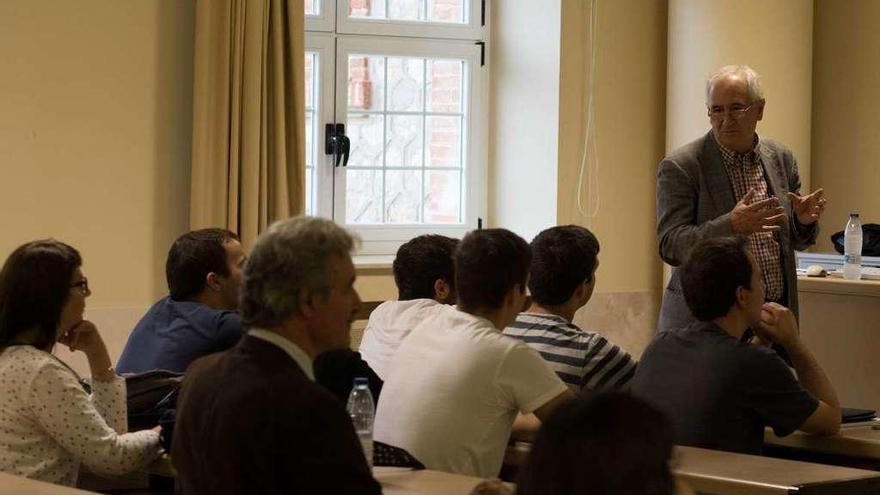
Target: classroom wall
[(846, 112), (618, 193), (524, 97), (95, 140)]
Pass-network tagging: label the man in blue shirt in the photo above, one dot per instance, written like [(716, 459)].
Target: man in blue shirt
[(198, 317)]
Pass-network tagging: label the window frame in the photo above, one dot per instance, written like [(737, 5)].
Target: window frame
[(334, 38), (474, 29)]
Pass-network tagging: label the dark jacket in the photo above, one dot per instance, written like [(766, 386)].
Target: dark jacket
[(250, 421)]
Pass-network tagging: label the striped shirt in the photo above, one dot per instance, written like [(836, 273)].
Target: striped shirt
[(746, 172), (583, 360)]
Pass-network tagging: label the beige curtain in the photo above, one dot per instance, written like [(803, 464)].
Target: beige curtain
[(248, 163)]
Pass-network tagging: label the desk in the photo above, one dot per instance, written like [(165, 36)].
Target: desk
[(857, 445), (723, 473), (718, 472), (16, 485), (838, 322), (404, 481)]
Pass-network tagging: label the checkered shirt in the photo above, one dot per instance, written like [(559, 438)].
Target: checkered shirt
[(746, 172)]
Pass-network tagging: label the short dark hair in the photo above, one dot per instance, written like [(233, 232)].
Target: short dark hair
[(710, 276), (562, 258), (488, 263), (610, 443), (420, 262), (34, 286), (192, 257)]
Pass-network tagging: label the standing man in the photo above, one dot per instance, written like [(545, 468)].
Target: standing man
[(731, 182), (252, 419)]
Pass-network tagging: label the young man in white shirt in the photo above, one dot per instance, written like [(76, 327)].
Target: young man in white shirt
[(425, 276), (456, 384)]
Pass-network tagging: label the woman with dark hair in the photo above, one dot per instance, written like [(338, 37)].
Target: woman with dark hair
[(49, 424), (608, 444)]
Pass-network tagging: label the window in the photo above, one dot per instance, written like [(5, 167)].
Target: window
[(406, 78)]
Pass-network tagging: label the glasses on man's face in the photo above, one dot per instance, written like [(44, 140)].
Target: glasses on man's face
[(82, 285), (735, 111)]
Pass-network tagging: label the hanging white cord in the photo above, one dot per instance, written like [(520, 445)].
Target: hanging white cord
[(590, 147)]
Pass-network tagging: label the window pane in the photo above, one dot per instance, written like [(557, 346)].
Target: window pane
[(310, 194), (363, 196), (403, 192), (310, 138), (444, 141), (404, 141), (366, 82), (365, 133), (313, 7), (446, 11), (311, 66), (443, 11), (406, 81), (444, 86), (310, 81), (442, 196)]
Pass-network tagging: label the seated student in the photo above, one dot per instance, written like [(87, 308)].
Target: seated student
[(721, 392), (425, 277), (456, 384), (607, 444), (561, 281), (49, 424), (203, 271), (251, 419)]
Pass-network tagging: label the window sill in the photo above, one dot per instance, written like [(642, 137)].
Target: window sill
[(373, 262)]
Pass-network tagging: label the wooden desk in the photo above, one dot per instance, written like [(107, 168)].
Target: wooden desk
[(404, 481), (857, 445), (16, 485), (717, 472), (722, 473)]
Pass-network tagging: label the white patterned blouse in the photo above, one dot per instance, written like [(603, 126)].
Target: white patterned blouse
[(49, 424)]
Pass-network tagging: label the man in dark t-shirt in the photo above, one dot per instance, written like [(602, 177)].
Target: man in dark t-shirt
[(203, 270), (721, 392)]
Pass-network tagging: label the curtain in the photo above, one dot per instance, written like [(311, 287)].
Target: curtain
[(248, 157)]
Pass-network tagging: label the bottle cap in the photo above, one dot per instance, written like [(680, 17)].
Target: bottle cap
[(854, 214), (361, 381)]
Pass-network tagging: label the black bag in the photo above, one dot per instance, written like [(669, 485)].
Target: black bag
[(870, 240), (150, 394)]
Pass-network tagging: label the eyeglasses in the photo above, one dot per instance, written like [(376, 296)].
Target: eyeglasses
[(82, 285), (735, 111)]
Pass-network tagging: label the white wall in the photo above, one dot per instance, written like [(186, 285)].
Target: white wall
[(524, 115)]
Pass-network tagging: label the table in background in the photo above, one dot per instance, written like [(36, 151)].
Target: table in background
[(405, 481), (17, 485), (722, 473), (839, 323), (857, 445)]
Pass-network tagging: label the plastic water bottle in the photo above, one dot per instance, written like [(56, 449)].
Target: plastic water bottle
[(362, 410), (852, 248)]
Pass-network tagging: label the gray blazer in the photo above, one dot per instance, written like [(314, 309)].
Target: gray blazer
[(694, 200)]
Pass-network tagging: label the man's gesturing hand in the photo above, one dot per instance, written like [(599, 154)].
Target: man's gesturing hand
[(808, 208), (749, 217)]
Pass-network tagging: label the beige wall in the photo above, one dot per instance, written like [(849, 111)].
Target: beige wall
[(629, 118), (776, 40), (95, 138), (846, 112)]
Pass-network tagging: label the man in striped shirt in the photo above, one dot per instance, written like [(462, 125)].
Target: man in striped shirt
[(562, 278)]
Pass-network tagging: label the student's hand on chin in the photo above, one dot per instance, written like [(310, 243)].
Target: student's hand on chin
[(81, 337)]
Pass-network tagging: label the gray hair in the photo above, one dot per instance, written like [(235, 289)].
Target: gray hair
[(753, 81), (291, 256)]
